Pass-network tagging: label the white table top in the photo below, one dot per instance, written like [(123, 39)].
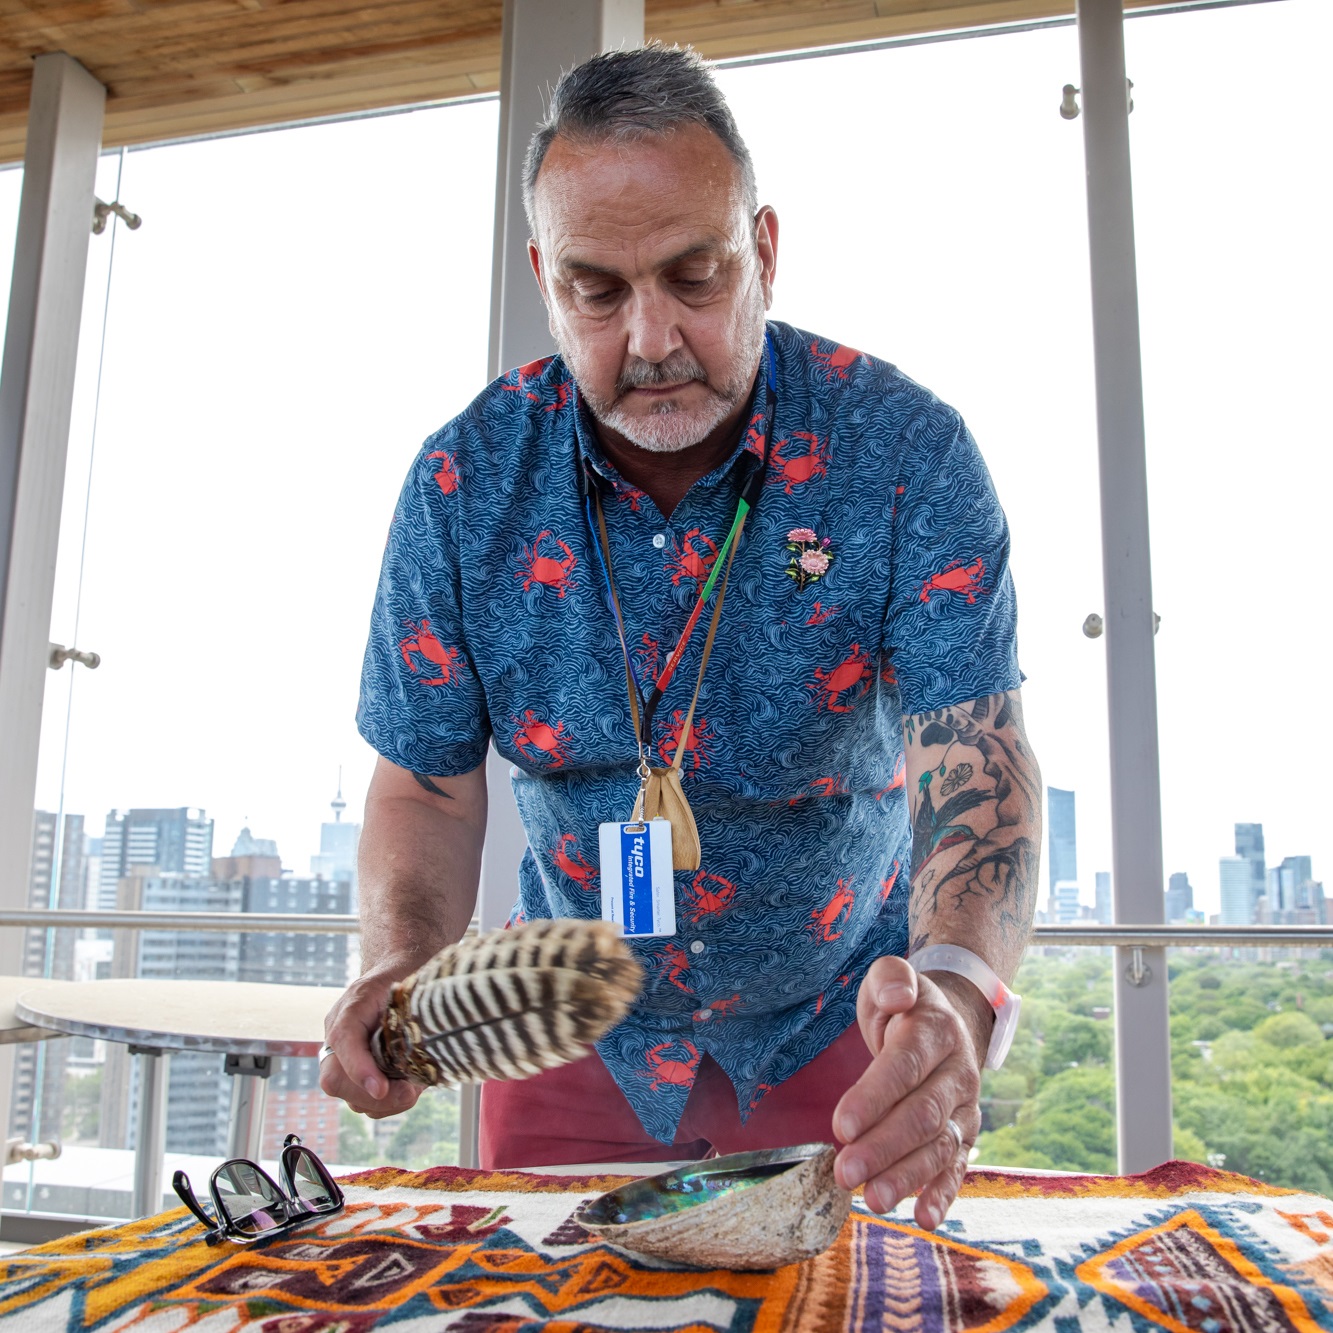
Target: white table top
[(225, 1017), (12, 1027)]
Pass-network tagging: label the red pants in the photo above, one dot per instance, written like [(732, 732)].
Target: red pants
[(578, 1114)]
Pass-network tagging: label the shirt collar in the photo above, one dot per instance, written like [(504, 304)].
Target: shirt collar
[(748, 454)]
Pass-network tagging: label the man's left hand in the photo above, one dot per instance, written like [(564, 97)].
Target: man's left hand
[(928, 1045)]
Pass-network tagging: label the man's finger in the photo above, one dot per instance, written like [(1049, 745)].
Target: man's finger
[(890, 987), (398, 1095), (348, 1030), (937, 1198), (911, 1052), (913, 1124), (916, 1172)]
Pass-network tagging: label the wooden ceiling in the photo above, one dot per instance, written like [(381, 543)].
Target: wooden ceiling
[(175, 68)]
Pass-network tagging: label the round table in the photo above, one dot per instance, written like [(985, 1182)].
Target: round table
[(248, 1022), (12, 1027)]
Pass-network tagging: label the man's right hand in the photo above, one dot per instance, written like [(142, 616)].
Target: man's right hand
[(351, 1073)]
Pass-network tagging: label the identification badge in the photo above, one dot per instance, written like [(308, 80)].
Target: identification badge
[(638, 890)]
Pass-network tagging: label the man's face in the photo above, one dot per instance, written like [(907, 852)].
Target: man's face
[(656, 280)]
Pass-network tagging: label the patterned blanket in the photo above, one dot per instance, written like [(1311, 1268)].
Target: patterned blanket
[(1182, 1248)]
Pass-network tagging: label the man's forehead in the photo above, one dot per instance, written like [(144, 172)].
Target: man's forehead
[(683, 188)]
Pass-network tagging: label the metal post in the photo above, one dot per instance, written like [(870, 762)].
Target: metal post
[(1143, 1051), (36, 400), (249, 1097), (151, 1135), (539, 39)]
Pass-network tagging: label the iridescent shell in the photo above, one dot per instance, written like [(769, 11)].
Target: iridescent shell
[(748, 1210)]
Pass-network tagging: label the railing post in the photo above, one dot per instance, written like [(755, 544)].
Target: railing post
[(36, 401), (1142, 1038)]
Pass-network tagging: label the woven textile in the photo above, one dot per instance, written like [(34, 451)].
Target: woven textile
[(1181, 1248)]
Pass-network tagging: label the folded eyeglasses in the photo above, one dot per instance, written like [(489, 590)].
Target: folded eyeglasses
[(251, 1206)]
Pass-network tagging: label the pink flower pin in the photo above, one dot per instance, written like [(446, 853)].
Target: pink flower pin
[(801, 535)]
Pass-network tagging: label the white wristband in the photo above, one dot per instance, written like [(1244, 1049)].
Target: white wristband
[(954, 958)]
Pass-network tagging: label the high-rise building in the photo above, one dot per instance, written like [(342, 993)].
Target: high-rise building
[(55, 880), (1238, 901), (1064, 903), (198, 1091), (1104, 910), (288, 957), (176, 841), (1179, 897), (338, 843), (1061, 840), (1250, 846)]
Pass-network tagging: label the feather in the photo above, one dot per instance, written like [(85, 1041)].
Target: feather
[(508, 1004)]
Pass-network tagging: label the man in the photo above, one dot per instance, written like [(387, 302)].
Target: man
[(864, 658)]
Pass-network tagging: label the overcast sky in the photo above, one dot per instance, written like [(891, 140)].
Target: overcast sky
[(301, 308)]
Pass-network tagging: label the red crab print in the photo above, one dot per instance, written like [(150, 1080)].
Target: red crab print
[(562, 393), (956, 577), (420, 642), (833, 786), (531, 371), (632, 495), (886, 885), (698, 751), (821, 615), (889, 676), (543, 738), (673, 965), (545, 569), (899, 779), (447, 477), (576, 866), (837, 362), (795, 471), (754, 435), (648, 653), (893, 513), (760, 1091), (823, 919), (842, 982), (853, 671), (705, 901), (670, 1073), (725, 1008), (688, 563)]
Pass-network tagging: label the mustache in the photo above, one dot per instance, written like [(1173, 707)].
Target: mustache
[(676, 369)]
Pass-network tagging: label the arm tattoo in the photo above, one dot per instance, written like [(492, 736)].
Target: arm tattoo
[(976, 815), (424, 781)]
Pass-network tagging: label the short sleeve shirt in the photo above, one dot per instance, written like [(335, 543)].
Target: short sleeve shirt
[(871, 581)]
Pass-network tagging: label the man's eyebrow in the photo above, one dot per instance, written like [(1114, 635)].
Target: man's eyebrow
[(585, 268)]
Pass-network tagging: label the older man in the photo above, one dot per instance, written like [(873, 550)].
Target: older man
[(548, 555)]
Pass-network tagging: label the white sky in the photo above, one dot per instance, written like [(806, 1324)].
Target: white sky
[(301, 308)]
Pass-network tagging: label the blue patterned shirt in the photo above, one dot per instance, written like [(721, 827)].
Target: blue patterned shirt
[(871, 582)]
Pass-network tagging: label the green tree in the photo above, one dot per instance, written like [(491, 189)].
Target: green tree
[(428, 1134), (356, 1147), (83, 1106)]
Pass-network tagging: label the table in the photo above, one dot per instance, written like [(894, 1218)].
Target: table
[(12, 1028), (247, 1022), (1182, 1247)]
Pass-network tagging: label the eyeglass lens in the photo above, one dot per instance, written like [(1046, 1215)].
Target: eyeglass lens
[(310, 1180), (253, 1203)]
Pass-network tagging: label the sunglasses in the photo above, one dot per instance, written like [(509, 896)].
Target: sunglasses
[(250, 1205)]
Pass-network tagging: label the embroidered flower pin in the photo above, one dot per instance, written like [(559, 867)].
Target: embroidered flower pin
[(809, 556)]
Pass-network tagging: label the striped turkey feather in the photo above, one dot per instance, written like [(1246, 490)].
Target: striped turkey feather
[(508, 1004)]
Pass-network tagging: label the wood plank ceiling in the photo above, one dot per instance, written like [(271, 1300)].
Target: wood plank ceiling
[(175, 68)]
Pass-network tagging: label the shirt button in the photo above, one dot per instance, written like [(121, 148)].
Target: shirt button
[(702, 1015), (659, 540), (696, 946)]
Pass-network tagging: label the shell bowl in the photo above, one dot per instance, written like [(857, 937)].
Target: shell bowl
[(751, 1210)]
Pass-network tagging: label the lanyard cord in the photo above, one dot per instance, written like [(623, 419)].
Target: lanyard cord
[(644, 703)]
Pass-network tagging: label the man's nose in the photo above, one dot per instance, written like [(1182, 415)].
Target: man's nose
[(653, 332)]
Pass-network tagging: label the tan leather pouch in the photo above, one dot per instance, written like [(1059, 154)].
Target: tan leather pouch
[(664, 798)]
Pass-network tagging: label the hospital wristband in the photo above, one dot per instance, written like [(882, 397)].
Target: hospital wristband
[(954, 958)]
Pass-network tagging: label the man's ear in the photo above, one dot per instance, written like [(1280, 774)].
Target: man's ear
[(766, 244), (535, 259)]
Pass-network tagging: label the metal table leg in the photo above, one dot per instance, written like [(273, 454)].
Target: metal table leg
[(249, 1093), (150, 1139)]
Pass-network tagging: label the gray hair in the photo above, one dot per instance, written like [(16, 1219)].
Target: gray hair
[(621, 96)]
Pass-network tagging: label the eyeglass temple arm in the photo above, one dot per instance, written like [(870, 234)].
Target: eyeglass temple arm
[(180, 1182)]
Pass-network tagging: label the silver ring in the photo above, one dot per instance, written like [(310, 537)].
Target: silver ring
[(956, 1134), (326, 1051)]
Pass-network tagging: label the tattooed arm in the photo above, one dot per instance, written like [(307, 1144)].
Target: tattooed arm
[(974, 793)]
